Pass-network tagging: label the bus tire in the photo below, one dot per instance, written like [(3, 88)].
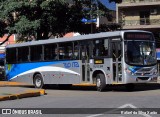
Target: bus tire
[(38, 81), (100, 82)]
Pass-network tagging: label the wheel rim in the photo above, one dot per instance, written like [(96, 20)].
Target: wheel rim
[(98, 82), (38, 82)]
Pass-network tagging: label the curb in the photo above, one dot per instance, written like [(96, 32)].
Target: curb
[(7, 83), (29, 93)]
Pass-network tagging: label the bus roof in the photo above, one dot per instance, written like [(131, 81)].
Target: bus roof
[(76, 38)]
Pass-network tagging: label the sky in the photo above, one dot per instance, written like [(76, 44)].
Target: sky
[(111, 6)]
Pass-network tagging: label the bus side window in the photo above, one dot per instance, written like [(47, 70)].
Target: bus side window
[(23, 53), (66, 50), (11, 55), (36, 53), (47, 52), (61, 53), (50, 52), (55, 54), (100, 48), (70, 52), (28, 57)]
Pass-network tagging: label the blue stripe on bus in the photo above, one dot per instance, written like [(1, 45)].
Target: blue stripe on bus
[(133, 69), (13, 70)]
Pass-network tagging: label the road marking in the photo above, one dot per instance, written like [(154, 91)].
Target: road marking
[(134, 107), (123, 106), (95, 115)]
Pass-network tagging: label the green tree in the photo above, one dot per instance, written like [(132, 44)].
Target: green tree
[(37, 18), (40, 19)]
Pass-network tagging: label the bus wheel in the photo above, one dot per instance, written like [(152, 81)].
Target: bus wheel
[(130, 87), (100, 82), (38, 81)]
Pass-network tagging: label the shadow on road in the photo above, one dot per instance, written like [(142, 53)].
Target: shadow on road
[(137, 87), (115, 88)]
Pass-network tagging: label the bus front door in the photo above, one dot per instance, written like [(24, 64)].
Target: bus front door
[(117, 61), (85, 63)]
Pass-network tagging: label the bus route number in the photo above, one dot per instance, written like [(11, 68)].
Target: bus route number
[(98, 66), (71, 64)]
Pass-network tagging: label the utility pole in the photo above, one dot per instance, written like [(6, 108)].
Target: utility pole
[(97, 24), (94, 14)]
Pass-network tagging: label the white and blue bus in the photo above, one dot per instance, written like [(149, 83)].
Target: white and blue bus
[(120, 57)]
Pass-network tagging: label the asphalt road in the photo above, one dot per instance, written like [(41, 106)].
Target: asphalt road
[(84, 98)]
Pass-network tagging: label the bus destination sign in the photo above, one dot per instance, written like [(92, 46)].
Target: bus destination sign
[(137, 36)]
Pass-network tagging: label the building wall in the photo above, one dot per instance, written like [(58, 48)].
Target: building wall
[(131, 16), (129, 13), (140, 14), (10, 41)]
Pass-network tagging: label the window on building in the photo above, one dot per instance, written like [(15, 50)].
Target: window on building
[(145, 18)]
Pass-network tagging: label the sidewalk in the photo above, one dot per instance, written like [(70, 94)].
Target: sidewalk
[(15, 90)]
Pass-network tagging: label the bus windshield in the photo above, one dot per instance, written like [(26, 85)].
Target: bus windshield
[(140, 52)]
